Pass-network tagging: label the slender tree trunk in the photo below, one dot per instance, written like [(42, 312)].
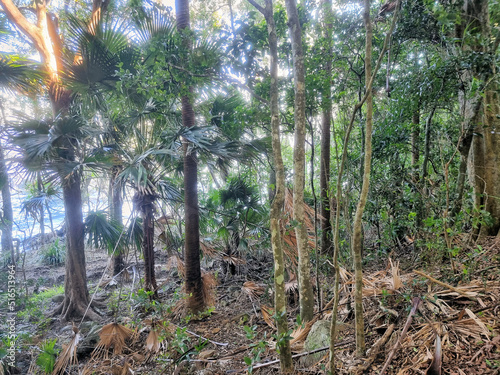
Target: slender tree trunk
[(277, 204), (146, 206), (42, 211), (306, 296), (326, 120), (117, 216), (8, 214), (194, 283), (357, 243)]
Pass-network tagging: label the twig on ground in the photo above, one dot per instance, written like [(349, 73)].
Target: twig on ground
[(360, 369), (260, 365), (416, 302), (444, 285)]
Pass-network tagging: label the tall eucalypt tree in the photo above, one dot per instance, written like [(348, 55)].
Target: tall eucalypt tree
[(62, 149), (194, 282), (306, 296)]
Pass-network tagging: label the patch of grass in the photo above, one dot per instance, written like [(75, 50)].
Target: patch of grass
[(54, 254), (35, 306)]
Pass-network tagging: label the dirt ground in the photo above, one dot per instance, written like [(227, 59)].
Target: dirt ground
[(457, 316)]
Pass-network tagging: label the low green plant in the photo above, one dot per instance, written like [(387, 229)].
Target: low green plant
[(47, 357), (257, 347), (54, 254)]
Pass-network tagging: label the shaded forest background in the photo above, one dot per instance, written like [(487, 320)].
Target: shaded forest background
[(314, 155)]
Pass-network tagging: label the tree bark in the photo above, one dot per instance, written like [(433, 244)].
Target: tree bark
[(8, 214), (76, 295), (278, 202), (485, 152), (117, 216), (326, 120), (357, 241), (194, 283), (146, 207), (306, 296)]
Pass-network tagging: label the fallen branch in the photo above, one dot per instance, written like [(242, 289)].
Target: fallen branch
[(375, 349), (416, 302), (444, 285), (260, 365), (204, 338)]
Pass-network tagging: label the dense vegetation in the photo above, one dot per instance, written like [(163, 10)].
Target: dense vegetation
[(336, 136)]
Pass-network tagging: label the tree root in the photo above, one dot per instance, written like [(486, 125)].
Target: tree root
[(70, 309)]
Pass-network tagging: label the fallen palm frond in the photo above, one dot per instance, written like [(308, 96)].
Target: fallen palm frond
[(300, 333), (235, 261), (208, 251), (68, 354), (267, 314), (252, 289), (112, 335)]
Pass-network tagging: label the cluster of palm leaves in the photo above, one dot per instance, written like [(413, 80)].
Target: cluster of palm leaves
[(123, 121)]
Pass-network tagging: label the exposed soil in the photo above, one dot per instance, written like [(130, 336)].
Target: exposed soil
[(466, 319)]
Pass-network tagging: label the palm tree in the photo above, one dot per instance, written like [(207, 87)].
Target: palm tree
[(194, 284), (16, 75)]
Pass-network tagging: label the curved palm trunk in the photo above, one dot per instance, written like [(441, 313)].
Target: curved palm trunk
[(194, 284), (306, 296)]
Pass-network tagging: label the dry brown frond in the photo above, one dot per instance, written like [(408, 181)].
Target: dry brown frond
[(112, 335), (252, 289), (67, 357), (235, 261), (267, 314), (209, 284), (208, 251), (300, 333), (396, 279), (176, 262)]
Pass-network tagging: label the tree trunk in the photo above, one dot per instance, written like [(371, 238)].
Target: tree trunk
[(42, 211), (326, 119), (8, 214), (306, 296), (76, 295), (485, 152), (357, 242), (277, 204), (117, 216), (146, 207), (194, 283)]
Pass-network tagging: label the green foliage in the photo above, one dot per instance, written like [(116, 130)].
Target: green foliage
[(257, 347), (47, 357), (54, 254)]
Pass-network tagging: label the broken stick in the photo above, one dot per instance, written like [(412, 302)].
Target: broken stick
[(360, 369), (447, 286), (416, 302)]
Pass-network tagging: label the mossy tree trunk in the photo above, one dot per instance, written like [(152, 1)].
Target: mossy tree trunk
[(278, 202), (306, 296)]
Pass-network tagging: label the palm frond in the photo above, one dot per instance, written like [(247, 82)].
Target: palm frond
[(102, 232), (154, 23), (18, 74)]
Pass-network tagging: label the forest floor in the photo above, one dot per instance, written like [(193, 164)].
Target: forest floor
[(455, 329)]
